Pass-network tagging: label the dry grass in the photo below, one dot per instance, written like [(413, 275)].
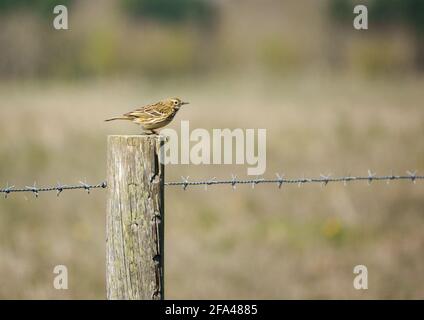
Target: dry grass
[(270, 243)]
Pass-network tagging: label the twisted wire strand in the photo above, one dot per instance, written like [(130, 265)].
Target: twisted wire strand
[(59, 188), (280, 180), (185, 182)]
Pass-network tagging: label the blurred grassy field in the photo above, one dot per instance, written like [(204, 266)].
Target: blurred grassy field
[(267, 243)]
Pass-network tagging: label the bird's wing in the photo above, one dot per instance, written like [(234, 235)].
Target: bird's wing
[(151, 111)]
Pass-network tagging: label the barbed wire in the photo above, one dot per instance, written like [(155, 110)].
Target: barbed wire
[(280, 180), (59, 188), (185, 182)]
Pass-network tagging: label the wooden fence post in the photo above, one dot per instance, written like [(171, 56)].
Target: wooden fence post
[(135, 218)]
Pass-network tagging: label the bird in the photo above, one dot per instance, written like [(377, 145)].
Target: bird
[(153, 116)]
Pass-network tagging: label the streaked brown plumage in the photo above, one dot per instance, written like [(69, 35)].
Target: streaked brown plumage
[(154, 116)]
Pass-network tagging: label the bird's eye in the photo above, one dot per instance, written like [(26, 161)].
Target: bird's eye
[(176, 102)]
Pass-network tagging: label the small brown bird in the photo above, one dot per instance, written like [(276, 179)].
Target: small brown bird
[(154, 116)]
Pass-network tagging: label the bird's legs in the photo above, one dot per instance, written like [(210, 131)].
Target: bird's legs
[(149, 131)]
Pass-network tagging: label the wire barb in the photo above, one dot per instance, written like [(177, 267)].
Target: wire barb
[(85, 186), (211, 181), (59, 189), (8, 190), (280, 180), (413, 175), (371, 176), (186, 183), (326, 179), (34, 189), (233, 181), (257, 181)]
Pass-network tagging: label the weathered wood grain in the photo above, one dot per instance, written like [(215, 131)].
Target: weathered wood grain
[(135, 216)]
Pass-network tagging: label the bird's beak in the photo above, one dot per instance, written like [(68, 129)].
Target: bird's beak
[(183, 103)]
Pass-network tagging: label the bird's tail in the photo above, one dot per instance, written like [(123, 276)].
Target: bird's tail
[(118, 118)]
